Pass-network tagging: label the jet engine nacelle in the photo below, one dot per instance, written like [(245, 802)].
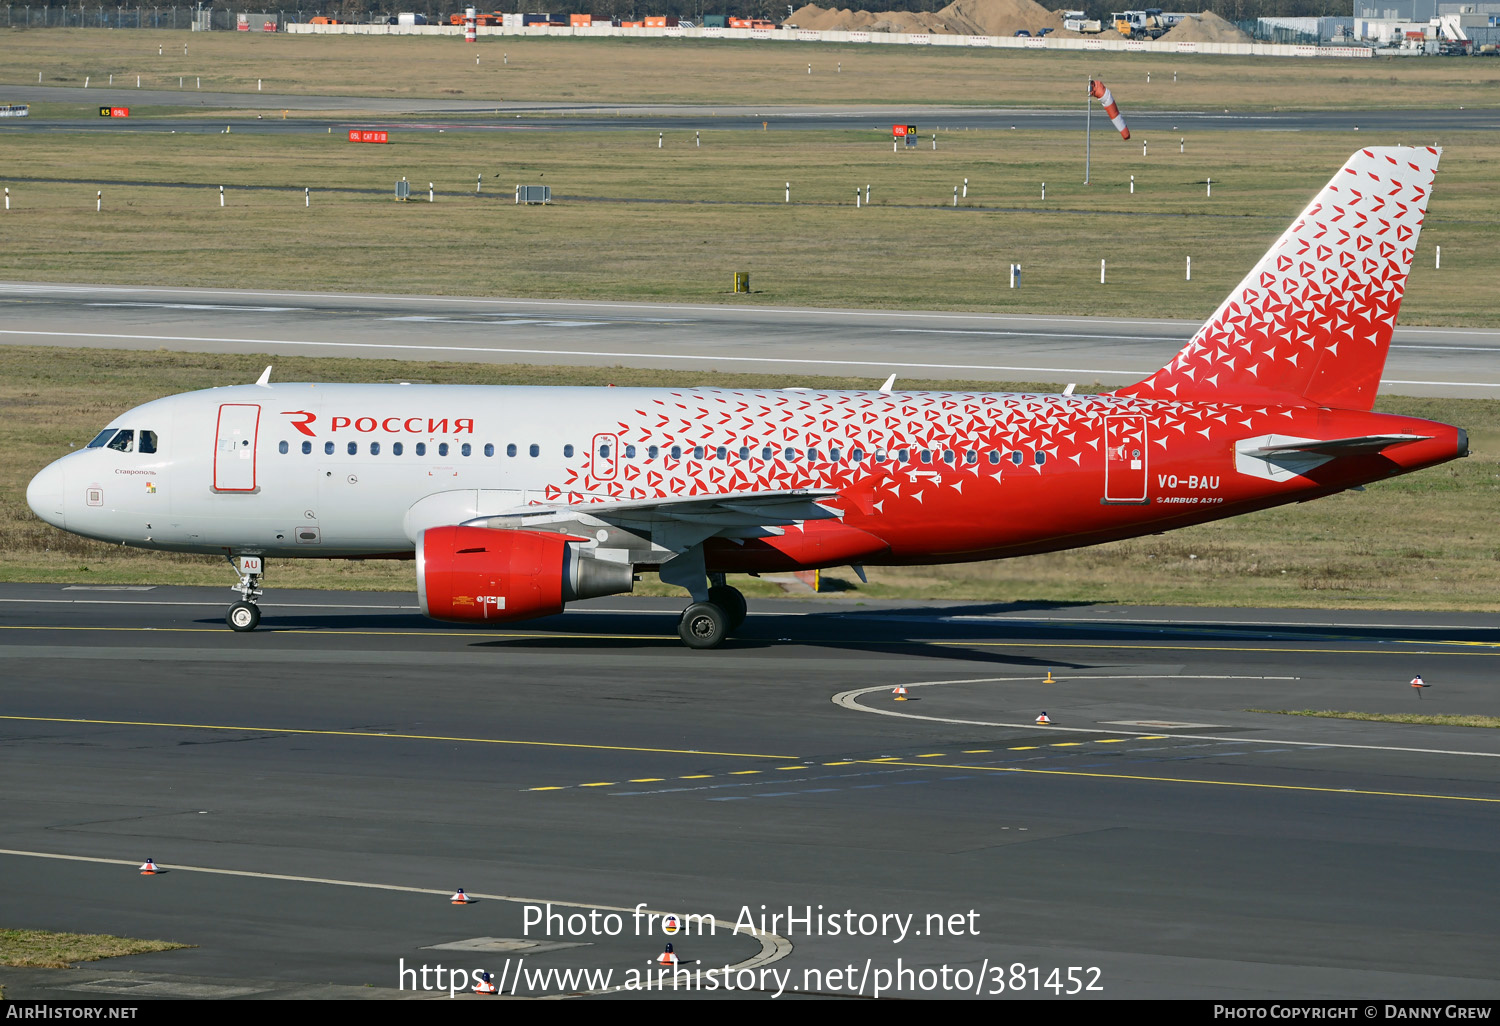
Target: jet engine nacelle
[(491, 576)]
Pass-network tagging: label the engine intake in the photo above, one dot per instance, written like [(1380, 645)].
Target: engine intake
[(472, 574)]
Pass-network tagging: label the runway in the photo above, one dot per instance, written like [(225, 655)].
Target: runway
[(317, 113), (1449, 362), (318, 788)]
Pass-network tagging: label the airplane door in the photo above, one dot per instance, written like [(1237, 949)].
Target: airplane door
[(604, 456), (234, 448), (1125, 458)]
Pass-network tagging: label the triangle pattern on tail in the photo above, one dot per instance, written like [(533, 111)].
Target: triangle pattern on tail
[(1311, 324)]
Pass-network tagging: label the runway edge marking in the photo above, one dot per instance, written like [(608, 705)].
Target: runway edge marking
[(773, 947), (849, 700)]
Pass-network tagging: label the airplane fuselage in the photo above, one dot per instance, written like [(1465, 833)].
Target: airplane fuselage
[(319, 470)]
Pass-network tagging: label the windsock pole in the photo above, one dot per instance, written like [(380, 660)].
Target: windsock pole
[(1088, 122)]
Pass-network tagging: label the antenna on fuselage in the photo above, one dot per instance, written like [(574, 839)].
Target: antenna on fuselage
[(264, 381), (890, 382)]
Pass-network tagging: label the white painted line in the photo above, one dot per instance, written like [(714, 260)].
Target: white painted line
[(198, 604), (773, 948), (848, 700), (1050, 335), (558, 352)]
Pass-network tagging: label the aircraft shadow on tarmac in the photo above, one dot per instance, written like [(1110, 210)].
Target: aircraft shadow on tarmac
[(939, 632)]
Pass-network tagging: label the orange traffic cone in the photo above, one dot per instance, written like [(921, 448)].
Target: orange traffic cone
[(1418, 683), (668, 957), (1043, 721), (1049, 679), (900, 693), (149, 868), (486, 984), (460, 898)]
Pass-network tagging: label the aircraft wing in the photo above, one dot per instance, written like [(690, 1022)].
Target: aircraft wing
[(1360, 446), (769, 508)]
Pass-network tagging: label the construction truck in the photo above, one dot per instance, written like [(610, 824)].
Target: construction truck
[(1147, 24)]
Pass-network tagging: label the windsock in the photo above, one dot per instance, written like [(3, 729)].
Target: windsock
[(1101, 92)]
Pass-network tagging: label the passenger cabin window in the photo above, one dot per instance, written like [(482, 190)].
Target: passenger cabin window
[(994, 456), (442, 448), (926, 455), (568, 451), (489, 449), (123, 442), (1015, 457), (604, 452), (282, 448), (971, 457), (677, 452), (857, 454), (697, 452), (1041, 457), (101, 438), (421, 448), (744, 452), (467, 449), (833, 454), (147, 442), (535, 450), (510, 450), (629, 452), (947, 455), (651, 452), (353, 448), (307, 448), (328, 448), (765, 453), (374, 448), (397, 449)]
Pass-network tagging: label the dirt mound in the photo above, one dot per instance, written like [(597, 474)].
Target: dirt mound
[(1207, 27), (962, 17)]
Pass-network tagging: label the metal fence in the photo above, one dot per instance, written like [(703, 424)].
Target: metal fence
[(50, 16)]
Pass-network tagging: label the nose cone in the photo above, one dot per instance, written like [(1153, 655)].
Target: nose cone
[(45, 494)]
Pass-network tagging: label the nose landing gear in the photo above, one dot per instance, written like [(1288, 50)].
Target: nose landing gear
[(244, 615)]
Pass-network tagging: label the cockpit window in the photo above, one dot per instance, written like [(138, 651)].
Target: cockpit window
[(123, 442), (147, 442), (101, 438)]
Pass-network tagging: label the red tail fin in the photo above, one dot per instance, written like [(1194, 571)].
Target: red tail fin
[(1311, 324)]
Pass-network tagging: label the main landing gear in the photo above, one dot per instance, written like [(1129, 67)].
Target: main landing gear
[(244, 615), (705, 624)]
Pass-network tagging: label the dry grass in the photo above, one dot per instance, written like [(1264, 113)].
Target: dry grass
[(1439, 720), (635, 222), (41, 949), (717, 72), (1422, 541)]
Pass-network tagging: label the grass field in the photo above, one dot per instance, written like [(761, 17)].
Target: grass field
[(632, 221), (625, 71), (43, 949), (1435, 720), (1423, 541)]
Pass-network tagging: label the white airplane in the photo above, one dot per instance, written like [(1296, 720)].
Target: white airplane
[(515, 501)]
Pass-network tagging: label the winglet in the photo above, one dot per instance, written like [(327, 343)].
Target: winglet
[(890, 382), (264, 381)]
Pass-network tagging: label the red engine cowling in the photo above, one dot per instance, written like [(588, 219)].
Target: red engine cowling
[(491, 576)]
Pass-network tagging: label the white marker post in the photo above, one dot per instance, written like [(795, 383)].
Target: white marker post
[(111, 78), (98, 201), (658, 139), (955, 195), (1132, 185), (1044, 190), (477, 182), (1437, 266), (1189, 268), (966, 188), (307, 197), (788, 192), (1182, 145), (1210, 186), (199, 80), (137, 81), (179, 81), (221, 196), (856, 197), (867, 195), (257, 85), (1143, 147), (697, 140), (429, 192), (809, 69), (934, 140), (7, 199), (1101, 272), (85, 81)]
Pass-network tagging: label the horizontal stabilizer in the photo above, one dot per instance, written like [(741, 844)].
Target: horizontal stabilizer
[(1360, 446)]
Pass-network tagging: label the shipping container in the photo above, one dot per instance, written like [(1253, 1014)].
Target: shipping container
[(661, 21), (715, 21), (581, 20)]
